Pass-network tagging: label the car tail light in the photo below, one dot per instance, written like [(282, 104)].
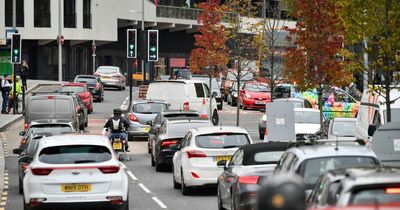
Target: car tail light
[(248, 179), (167, 143), (195, 154), (37, 201), (109, 169), (392, 190), (50, 97), (41, 171), (133, 118), (247, 95), (116, 200), (24, 166), (186, 106), (194, 175), (26, 126)]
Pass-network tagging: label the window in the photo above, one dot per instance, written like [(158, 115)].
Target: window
[(75, 154), (9, 13), (207, 91), (219, 141), (87, 16), (237, 158), (75, 89), (69, 14), (376, 195), (149, 108), (42, 13), (199, 90), (266, 157)]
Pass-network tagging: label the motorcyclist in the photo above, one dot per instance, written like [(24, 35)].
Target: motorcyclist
[(117, 124)]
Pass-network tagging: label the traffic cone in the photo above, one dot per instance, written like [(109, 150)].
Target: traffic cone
[(203, 113)]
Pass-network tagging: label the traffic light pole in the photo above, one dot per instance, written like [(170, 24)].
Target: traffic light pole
[(14, 22), (143, 35), (59, 41)]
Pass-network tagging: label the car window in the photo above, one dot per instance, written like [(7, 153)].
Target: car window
[(41, 105), (376, 195), (199, 90), (219, 141), (344, 128), (63, 106), (75, 154), (32, 146), (149, 108), (256, 87), (75, 89), (264, 157), (180, 129), (286, 163), (51, 128), (306, 117), (108, 70), (207, 91), (86, 79), (237, 158)]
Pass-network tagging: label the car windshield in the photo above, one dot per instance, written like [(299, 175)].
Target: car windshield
[(395, 115), (257, 88), (267, 157), (149, 108), (180, 129), (74, 154), (344, 128), (282, 91), (221, 140), (306, 117), (107, 70), (89, 80), (311, 169), (75, 89), (376, 195), (52, 128)]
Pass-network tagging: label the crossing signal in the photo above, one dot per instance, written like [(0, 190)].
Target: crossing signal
[(131, 41), (152, 45), (16, 49)]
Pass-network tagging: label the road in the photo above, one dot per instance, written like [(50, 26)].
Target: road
[(148, 189)]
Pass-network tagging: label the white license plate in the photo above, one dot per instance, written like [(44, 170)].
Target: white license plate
[(260, 102)]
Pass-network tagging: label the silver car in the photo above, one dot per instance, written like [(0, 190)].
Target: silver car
[(111, 76)]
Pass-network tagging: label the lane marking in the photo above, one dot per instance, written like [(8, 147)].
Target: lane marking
[(133, 177), (144, 188), (160, 203)]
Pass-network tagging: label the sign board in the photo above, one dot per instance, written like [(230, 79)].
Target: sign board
[(386, 143), (5, 62), (143, 91), (3, 41), (10, 32), (280, 122), (137, 77)]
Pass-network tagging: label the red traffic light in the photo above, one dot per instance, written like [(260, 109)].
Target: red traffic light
[(61, 39)]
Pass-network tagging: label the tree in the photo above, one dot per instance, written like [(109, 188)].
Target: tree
[(242, 42), (375, 22), (318, 37)]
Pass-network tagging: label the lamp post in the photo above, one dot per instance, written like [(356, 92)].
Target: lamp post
[(59, 40)]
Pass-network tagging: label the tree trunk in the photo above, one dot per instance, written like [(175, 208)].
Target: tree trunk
[(238, 97)]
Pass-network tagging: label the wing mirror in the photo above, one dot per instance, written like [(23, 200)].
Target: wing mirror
[(17, 151), (22, 133), (371, 130), (222, 164)]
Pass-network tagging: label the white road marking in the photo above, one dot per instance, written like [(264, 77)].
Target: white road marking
[(160, 203), (133, 177), (144, 188)]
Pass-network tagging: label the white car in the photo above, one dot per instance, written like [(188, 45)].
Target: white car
[(111, 76), (76, 170), (306, 123), (195, 162), (185, 95), (342, 129)]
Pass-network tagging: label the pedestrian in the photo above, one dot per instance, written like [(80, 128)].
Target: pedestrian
[(24, 73), (18, 91), (5, 91)]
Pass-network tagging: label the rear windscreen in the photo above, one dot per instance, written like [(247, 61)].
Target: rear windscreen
[(75, 89), (219, 141), (149, 108), (180, 129), (267, 157), (52, 128), (376, 195), (75, 154), (48, 105)]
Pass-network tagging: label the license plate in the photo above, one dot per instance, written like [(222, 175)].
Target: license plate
[(146, 129), (76, 187), (226, 157), (260, 102), (105, 77), (117, 145)]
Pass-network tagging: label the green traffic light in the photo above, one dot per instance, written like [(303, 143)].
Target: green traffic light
[(153, 49), (16, 51), (131, 46)]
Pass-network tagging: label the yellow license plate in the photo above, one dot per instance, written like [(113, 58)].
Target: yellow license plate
[(117, 145), (105, 77), (146, 129), (76, 187), (227, 158)]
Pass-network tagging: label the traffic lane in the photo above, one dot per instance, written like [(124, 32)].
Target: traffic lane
[(112, 99), (160, 183)]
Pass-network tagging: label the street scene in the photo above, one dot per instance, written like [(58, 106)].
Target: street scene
[(200, 104)]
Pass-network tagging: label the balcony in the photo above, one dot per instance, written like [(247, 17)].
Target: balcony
[(69, 20), (87, 21)]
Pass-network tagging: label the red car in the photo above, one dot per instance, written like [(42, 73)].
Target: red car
[(254, 95), (83, 92)]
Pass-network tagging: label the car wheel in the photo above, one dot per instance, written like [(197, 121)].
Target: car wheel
[(215, 118), (159, 166), (175, 184), (221, 106), (20, 187), (153, 163), (228, 102), (130, 137), (185, 190)]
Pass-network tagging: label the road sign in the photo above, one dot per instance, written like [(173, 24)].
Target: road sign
[(16, 49), (152, 45), (143, 91), (280, 122), (10, 32), (137, 76), (131, 37)]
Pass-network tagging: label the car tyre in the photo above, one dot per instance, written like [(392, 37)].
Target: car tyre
[(215, 118), (228, 102), (185, 189), (175, 184), (20, 187), (219, 107), (159, 167)]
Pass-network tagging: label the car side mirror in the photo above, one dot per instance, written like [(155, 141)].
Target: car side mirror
[(22, 133), (222, 164), (371, 130), (17, 151)]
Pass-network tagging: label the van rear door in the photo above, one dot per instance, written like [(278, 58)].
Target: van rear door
[(172, 92)]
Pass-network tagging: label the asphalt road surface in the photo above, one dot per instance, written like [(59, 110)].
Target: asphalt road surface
[(148, 189)]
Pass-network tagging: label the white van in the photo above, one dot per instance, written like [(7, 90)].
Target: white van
[(185, 95), (372, 112)]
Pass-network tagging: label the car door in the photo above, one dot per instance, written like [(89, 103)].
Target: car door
[(162, 131), (182, 154), (175, 160), (229, 176), (209, 99)]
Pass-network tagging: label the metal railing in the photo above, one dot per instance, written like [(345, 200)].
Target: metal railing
[(69, 20), (185, 13)]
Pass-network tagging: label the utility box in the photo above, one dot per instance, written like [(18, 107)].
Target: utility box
[(280, 122), (386, 143)]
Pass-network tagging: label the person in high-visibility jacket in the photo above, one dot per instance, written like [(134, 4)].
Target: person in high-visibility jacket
[(18, 90)]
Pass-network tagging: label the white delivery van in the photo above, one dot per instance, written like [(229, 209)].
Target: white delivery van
[(372, 112), (185, 95)]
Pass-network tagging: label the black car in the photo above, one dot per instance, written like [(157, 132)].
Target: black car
[(172, 132), (94, 84), (162, 116), (249, 168)]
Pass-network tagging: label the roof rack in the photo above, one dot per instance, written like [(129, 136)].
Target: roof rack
[(56, 92)]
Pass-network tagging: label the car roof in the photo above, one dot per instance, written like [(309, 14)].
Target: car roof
[(74, 84), (74, 139), (173, 111), (50, 121), (265, 146), (108, 67), (219, 129), (330, 150), (182, 81)]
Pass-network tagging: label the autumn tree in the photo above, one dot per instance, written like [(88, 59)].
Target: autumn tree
[(318, 36), (376, 23), (242, 42)]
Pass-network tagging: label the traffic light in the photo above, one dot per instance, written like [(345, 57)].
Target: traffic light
[(16, 49), (131, 43), (152, 47)]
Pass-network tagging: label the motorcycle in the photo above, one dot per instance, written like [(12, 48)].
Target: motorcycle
[(118, 143)]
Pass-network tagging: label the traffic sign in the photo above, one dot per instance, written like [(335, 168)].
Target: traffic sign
[(152, 45), (16, 49), (131, 37)]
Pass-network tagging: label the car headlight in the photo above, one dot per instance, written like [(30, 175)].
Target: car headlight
[(264, 118), (235, 95)]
